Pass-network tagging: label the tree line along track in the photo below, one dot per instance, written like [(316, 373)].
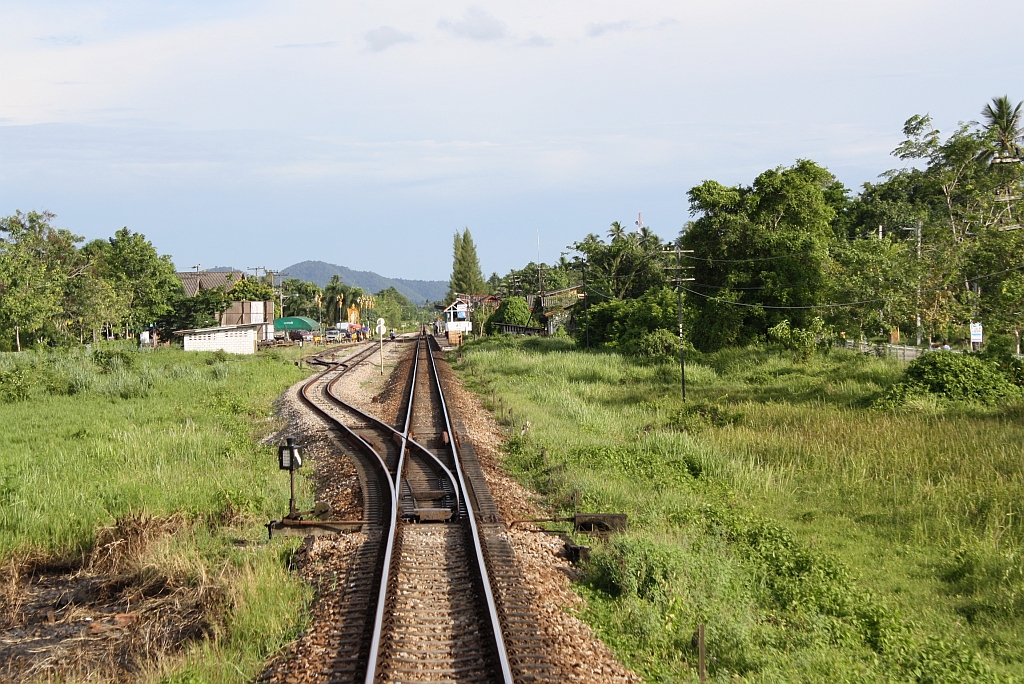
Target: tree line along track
[(435, 593)]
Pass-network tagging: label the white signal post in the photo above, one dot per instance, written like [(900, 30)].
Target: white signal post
[(382, 328)]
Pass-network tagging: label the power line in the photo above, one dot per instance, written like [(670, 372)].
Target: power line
[(841, 304)]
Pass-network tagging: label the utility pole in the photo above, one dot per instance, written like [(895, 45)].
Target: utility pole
[(586, 301), (918, 305), (197, 268), (678, 281)]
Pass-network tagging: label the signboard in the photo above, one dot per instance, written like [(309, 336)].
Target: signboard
[(353, 315), (381, 327), (976, 333)]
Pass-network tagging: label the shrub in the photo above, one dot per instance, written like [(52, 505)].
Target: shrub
[(624, 323), (513, 310), (657, 345), (15, 385), (960, 377), (111, 360), (801, 340), (697, 415)]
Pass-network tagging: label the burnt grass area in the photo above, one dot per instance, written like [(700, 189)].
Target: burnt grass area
[(104, 615)]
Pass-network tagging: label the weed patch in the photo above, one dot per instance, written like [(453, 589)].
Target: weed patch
[(816, 539)]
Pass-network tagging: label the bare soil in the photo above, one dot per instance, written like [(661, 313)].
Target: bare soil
[(102, 617)]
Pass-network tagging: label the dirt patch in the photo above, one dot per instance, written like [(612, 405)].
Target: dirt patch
[(104, 616)]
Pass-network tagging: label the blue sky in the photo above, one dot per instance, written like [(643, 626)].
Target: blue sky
[(365, 133)]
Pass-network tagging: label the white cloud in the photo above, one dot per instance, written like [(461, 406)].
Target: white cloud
[(595, 30), (292, 46), (477, 24), (538, 41), (384, 37), (61, 40)]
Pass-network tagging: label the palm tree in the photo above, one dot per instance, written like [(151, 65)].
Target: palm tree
[(616, 231), (1003, 121), (647, 239)]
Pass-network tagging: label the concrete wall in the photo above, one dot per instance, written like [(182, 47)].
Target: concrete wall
[(242, 341)]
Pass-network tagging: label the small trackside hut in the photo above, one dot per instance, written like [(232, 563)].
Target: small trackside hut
[(233, 339), (457, 317)]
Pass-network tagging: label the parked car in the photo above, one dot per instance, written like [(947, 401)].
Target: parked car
[(300, 335), (332, 335)]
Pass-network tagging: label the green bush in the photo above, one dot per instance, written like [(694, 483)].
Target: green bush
[(513, 310), (111, 360), (627, 324), (956, 377), (657, 345), (15, 385)]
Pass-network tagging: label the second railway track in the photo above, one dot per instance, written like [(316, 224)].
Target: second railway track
[(435, 594)]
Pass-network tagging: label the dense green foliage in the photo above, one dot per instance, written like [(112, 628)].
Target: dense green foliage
[(624, 323), (955, 377), (53, 292), (761, 246), (512, 310), (817, 538)]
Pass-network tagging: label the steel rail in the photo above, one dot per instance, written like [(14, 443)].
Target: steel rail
[(355, 359), (492, 608), (404, 434), (378, 627)]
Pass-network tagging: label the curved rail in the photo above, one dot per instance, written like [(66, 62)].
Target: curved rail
[(393, 562)]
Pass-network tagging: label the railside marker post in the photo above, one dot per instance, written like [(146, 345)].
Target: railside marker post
[(702, 672), (381, 329)]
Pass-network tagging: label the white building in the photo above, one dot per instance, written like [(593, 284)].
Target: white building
[(457, 317), (234, 339)]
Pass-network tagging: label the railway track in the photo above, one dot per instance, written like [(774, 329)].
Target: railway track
[(435, 594)]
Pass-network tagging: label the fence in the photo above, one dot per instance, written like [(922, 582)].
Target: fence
[(903, 352)]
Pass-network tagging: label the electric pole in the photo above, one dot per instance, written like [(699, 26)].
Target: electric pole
[(678, 282)]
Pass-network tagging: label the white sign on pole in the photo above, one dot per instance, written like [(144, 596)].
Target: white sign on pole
[(976, 333)]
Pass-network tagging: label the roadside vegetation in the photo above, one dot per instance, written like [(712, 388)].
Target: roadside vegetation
[(821, 522), (149, 467)]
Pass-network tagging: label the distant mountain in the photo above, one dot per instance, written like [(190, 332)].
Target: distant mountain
[(320, 272)]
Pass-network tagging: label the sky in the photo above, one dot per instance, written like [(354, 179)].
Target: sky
[(366, 133)]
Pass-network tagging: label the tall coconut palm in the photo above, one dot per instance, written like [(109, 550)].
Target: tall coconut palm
[(1003, 120), (616, 231)]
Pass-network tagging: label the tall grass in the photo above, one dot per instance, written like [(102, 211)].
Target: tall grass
[(96, 436), (815, 536)]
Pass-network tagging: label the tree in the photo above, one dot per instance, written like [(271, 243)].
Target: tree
[(757, 247), (513, 310), (31, 281), (624, 268), (142, 277), (1003, 123), (251, 290), (300, 298), (467, 278)]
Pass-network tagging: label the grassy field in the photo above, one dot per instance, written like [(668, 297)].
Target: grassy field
[(94, 438), (816, 537)]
